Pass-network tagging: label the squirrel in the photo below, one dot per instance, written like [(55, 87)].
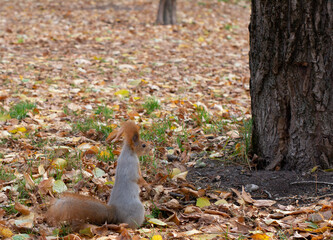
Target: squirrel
[(124, 205)]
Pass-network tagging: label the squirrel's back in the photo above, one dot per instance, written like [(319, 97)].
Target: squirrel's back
[(125, 195)]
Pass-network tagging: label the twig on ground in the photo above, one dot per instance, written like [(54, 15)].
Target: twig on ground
[(315, 182)]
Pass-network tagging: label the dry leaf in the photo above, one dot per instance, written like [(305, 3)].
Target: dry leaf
[(22, 209)]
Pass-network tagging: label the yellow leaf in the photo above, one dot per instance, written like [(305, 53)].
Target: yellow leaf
[(175, 172), (5, 232), (97, 58), (4, 117), (201, 39), (237, 147), (314, 169), (104, 154), (202, 202), (13, 131), (157, 222), (183, 46), (180, 176), (59, 163), (87, 232), (221, 202), (111, 182), (157, 237), (115, 107), (260, 236), (122, 92), (18, 129), (113, 126)]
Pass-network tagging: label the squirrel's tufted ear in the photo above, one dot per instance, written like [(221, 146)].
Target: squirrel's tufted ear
[(135, 138)]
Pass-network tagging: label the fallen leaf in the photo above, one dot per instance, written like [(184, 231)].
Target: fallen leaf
[(157, 237), (203, 202), (157, 222), (175, 171), (59, 186), (59, 163), (22, 209), (122, 92), (25, 221), (221, 202), (263, 203), (98, 172), (5, 232), (181, 176), (259, 236)]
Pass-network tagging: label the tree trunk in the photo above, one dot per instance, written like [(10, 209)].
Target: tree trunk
[(291, 64), (166, 12)]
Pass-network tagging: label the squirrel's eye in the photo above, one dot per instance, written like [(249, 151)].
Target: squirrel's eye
[(143, 145)]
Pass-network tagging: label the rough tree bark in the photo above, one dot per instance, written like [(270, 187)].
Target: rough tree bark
[(291, 64), (166, 12)]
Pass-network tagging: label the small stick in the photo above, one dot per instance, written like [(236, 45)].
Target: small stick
[(305, 182)]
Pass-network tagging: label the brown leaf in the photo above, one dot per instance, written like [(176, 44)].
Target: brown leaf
[(173, 204), (21, 208), (189, 191), (124, 235), (111, 136), (263, 203), (246, 196), (30, 184), (173, 218), (320, 216), (133, 114), (46, 185), (209, 211)]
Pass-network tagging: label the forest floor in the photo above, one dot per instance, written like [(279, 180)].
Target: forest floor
[(72, 71)]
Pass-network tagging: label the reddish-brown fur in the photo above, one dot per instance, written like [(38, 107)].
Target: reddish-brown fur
[(78, 209), (131, 133)]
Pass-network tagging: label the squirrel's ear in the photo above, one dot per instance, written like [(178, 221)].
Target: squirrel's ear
[(135, 138)]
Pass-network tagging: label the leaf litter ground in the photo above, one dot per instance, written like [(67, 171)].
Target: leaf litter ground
[(72, 71)]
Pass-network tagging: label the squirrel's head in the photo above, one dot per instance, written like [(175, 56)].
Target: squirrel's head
[(130, 131)]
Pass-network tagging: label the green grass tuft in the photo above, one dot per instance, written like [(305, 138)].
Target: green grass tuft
[(6, 175), (157, 133), (243, 146), (104, 111), (202, 117), (20, 110), (150, 105), (88, 124)]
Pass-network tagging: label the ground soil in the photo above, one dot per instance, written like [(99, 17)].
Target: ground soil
[(287, 187)]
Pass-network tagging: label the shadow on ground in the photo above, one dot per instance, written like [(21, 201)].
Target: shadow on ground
[(286, 187)]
